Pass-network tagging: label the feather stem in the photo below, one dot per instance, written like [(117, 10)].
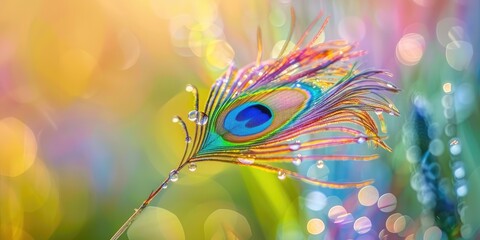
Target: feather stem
[(139, 210)]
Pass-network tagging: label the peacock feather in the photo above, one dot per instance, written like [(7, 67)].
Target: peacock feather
[(254, 115)]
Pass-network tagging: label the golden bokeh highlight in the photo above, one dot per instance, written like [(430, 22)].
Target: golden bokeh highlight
[(64, 54), (130, 48), (219, 54), (77, 66), (279, 46), (18, 147), (227, 224), (368, 195), (11, 213), (410, 237), (156, 223), (392, 225), (34, 186), (400, 224), (315, 226)]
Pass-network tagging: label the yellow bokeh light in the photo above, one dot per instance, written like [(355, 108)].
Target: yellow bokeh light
[(368, 195), (11, 213), (410, 237), (315, 226), (76, 65), (279, 46), (227, 224), (18, 147), (33, 186), (219, 54), (156, 223), (390, 223), (400, 224)]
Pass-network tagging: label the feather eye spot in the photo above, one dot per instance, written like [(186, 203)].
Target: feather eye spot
[(258, 116), (247, 119), (255, 115)]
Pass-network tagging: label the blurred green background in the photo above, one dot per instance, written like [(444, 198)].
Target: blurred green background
[(88, 89)]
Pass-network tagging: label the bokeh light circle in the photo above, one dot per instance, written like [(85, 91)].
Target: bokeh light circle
[(226, 223), (278, 47), (315, 200), (432, 233), (351, 28), (368, 195), (393, 225), (337, 213), (410, 49), (315, 226), (387, 202), (156, 223), (219, 54), (459, 54), (18, 147), (362, 225)]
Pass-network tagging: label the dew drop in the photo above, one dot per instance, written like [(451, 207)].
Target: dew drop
[(361, 139), (378, 111), (295, 145), (165, 186), (174, 175), (188, 139), (391, 113), (320, 164), (175, 119), (297, 160), (192, 115), (246, 159), (189, 88), (202, 119), (199, 118), (192, 167), (281, 175)]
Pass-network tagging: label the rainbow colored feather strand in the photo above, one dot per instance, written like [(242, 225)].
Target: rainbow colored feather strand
[(254, 114)]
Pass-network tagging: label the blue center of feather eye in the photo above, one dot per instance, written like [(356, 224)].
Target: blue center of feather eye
[(248, 119)]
